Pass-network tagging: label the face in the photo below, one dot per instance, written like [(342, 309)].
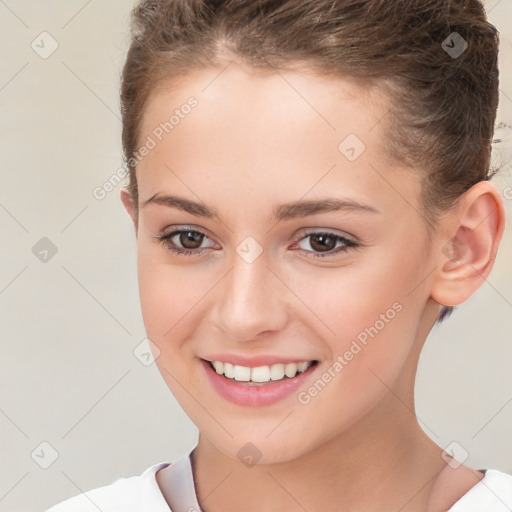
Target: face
[(272, 231)]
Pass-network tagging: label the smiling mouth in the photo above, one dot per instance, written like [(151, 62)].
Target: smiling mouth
[(260, 375)]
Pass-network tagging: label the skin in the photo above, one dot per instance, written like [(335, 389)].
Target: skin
[(256, 141)]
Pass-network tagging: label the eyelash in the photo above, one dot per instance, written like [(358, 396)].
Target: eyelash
[(165, 239)]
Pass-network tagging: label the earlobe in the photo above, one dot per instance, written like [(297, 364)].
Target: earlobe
[(129, 206), (476, 227)]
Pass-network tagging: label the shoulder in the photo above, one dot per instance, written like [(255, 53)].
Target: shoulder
[(493, 492), (128, 494)]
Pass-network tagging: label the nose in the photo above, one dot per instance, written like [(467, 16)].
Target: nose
[(251, 301)]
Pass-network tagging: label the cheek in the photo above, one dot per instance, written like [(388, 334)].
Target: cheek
[(369, 355), (170, 303), (374, 313), (168, 294)]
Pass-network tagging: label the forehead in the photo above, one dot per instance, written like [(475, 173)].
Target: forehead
[(291, 130), (237, 93)]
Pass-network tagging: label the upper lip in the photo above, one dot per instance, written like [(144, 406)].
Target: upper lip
[(255, 361)]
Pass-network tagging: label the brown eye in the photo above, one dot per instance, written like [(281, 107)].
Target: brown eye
[(324, 245), (322, 242), (185, 242), (190, 239)]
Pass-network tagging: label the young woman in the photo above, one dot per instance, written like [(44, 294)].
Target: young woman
[(309, 186)]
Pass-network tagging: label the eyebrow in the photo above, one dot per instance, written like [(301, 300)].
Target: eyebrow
[(288, 211)]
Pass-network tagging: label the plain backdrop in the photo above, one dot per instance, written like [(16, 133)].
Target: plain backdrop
[(74, 396)]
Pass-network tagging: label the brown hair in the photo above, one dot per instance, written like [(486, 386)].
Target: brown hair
[(443, 95)]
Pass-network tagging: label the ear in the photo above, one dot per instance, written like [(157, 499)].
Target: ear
[(467, 250), (129, 206)]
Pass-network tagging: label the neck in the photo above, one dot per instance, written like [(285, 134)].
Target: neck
[(372, 466)]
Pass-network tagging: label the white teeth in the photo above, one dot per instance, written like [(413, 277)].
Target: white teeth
[(229, 370), (290, 370), (260, 373), (219, 367), (302, 366), (242, 373), (277, 371)]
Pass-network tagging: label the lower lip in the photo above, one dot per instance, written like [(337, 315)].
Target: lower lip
[(241, 393)]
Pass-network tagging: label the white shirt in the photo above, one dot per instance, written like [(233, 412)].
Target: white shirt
[(141, 493)]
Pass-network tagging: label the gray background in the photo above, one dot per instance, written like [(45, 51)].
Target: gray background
[(69, 325)]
